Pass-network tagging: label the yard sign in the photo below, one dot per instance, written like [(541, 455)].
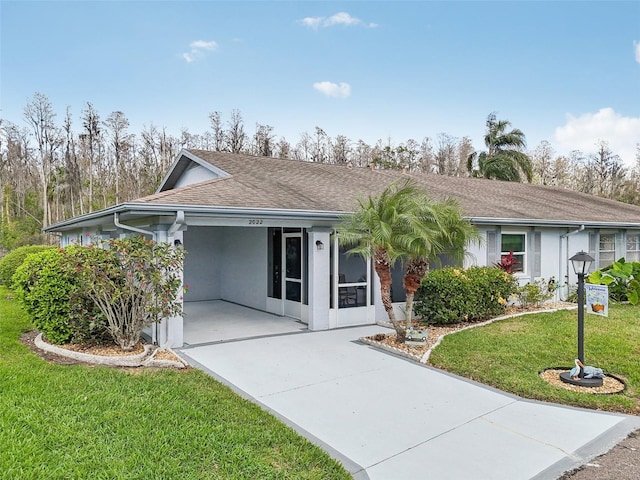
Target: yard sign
[(597, 299)]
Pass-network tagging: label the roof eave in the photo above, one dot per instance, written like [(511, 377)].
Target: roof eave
[(535, 222), (144, 209)]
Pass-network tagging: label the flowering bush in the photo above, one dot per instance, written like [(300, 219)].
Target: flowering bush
[(80, 293), (134, 282)]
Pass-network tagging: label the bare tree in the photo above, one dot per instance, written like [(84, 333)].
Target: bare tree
[(91, 140), (263, 141), (72, 167), (303, 148), (283, 148), (40, 117), (319, 151), (341, 150), (609, 170), (219, 138), (235, 134), (117, 123), (542, 161), (408, 156), (446, 158), (427, 157), (361, 154)]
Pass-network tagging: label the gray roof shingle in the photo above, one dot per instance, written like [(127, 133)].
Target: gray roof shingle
[(273, 183)]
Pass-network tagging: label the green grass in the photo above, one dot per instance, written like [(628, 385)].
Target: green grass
[(508, 354), (78, 422)]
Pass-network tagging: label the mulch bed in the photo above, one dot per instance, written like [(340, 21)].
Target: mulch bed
[(387, 341), (28, 339), (609, 384)]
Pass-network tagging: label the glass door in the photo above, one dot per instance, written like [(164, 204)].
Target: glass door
[(293, 274)]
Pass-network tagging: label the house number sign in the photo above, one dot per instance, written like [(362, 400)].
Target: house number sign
[(255, 221)]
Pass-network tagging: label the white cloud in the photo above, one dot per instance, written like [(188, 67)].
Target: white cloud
[(312, 22), (204, 45), (190, 57), (198, 50), (636, 47), (330, 89), (584, 132), (340, 18)]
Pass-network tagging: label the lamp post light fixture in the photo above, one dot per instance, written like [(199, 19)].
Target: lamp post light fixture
[(581, 262)]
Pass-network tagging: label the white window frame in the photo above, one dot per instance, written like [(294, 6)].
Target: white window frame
[(525, 253), (632, 255), (601, 265)]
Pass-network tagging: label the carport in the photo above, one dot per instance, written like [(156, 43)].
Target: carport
[(214, 321)]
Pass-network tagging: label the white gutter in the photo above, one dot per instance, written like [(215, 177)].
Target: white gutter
[(117, 223), (566, 236)]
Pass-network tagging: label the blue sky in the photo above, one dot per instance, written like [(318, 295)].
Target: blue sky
[(565, 72)]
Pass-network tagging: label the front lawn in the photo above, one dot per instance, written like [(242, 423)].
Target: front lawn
[(77, 422), (508, 354)]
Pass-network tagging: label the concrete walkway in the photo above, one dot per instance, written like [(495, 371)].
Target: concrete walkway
[(385, 417)]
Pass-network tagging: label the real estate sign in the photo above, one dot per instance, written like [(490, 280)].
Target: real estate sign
[(597, 299)]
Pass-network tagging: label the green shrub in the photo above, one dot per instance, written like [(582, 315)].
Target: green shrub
[(42, 286), (534, 294), (451, 295), (492, 288), (49, 288), (12, 260)]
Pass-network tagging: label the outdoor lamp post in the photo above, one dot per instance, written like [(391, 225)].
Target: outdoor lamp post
[(581, 262)]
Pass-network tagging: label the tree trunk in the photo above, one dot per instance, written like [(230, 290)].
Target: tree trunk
[(416, 269), (383, 269)]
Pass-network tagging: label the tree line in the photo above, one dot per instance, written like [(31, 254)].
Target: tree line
[(53, 168)]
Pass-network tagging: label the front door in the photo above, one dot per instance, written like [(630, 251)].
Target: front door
[(293, 274)]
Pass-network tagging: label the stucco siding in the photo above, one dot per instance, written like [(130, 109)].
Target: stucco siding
[(202, 264), (244, 278)]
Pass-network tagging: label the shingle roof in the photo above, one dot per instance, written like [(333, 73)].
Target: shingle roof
[(273, 183)]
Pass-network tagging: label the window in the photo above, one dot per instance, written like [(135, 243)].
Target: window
[(606, 250), (516, 243), (633, 247)]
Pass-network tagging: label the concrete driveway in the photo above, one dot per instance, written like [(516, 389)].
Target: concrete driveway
[(385, 417)]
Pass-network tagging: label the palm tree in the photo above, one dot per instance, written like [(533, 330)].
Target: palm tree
[(403, 223), (378, 229), (504, 159), (452, 233)]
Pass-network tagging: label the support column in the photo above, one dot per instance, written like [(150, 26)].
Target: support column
[(319, 277), (170, 329)]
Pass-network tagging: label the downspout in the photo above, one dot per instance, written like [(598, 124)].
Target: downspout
[(566, 236), (116, 222), (175, 226)]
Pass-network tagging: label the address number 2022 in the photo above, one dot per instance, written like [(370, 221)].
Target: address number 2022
[(255, 221)]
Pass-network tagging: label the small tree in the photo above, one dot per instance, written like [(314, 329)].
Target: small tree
[(135, 283), (374, 231)]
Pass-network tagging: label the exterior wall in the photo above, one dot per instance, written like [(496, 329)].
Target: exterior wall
[(243, 269), (194, 174), (202, 263)]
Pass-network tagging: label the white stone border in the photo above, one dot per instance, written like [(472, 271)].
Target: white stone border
[(425, 358), (146, 358)]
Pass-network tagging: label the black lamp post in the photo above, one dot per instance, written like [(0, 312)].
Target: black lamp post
[(581, 262)]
